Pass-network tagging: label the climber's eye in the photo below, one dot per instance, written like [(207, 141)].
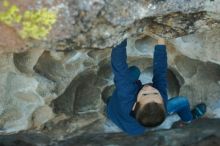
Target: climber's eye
[(145, 94)]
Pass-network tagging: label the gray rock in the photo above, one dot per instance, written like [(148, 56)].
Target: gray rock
[(18, 100), (191, 135)]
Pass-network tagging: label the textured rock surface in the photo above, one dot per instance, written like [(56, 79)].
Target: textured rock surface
[(178, 136), (206, 135), (18, 101), (20, 94)]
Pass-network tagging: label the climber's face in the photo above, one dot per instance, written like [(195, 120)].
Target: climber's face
[(149, 94)]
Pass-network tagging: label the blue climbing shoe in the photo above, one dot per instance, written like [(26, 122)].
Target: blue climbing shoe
[(199, 110)]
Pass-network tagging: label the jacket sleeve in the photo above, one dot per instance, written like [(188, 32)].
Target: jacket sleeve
[(160, 71), (120, 69)]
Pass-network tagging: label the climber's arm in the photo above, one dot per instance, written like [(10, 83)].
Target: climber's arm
[(160, 69)]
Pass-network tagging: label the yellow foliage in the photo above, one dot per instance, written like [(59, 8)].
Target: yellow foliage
[(35, 24), (11, 15)]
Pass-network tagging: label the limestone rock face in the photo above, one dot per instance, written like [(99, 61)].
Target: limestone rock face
[(21, 94), (18, 101), (60, 84)]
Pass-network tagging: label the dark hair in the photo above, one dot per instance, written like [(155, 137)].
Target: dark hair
[(150, 115)]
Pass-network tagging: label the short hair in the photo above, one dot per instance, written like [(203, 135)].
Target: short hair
[(150, 115)]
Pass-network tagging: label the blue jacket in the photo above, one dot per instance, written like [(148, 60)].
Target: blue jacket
[(119, 107)]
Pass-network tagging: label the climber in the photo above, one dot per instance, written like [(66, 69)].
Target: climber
[(133, 106)]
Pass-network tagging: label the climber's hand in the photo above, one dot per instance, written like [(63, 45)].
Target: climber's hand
[(161, 41)]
